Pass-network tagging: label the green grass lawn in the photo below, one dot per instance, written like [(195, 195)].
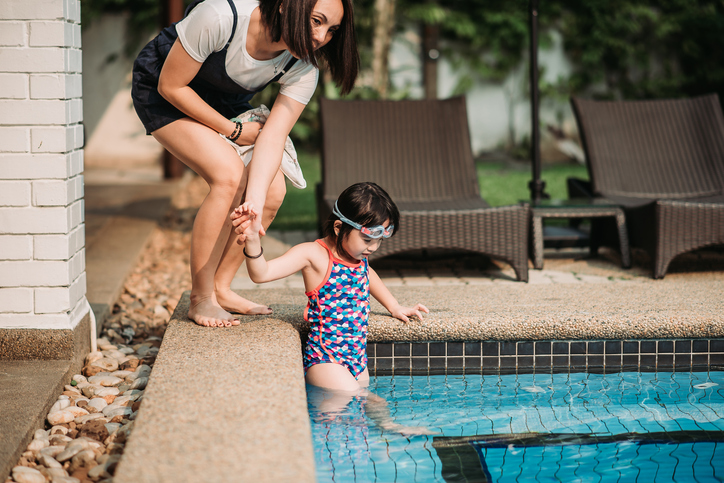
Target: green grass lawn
[(499, 185)]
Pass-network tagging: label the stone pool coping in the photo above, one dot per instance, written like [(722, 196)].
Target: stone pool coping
[(230, 404)]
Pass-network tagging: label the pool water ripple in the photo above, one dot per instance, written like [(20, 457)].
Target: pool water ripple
[(622, 427)]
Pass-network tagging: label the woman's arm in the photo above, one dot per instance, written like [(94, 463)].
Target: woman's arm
[(177, 72), (268, 150), (380, 292)]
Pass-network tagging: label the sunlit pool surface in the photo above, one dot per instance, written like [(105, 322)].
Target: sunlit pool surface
[(624, 427)]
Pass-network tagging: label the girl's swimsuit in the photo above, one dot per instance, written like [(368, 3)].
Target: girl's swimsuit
[(212, 83), (338, 312)]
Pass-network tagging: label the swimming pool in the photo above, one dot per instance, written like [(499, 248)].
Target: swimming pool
[(619, 427)]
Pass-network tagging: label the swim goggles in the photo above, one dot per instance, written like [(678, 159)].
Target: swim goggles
[(370, 231)]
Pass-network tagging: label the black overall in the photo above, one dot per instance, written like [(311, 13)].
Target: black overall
[(211, 83)]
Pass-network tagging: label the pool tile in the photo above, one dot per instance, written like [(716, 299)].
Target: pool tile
[(560, 361), (383, 363), (542, 348), (682, 346), (700, 346), (525, 348), (383, 350), (665, 346), (613, 347), (665, 361), (561, 348), (507, 362), (454, 362), (402, 349), (631, 360), (473, 363), (507, 348), (631, 347), (491, 348), (420, 349), (716, 359), (473, 349), (648, 347), (699, 359), (401, 363), (716, 345), (491, 362), (455, 349), (595, 347), (437, 349), (437, 362), (525, 362), (578, 361), (595, 361), (419, 363), (578, 347), (541, 362)]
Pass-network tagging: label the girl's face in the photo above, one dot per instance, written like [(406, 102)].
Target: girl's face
[(326, 19), (357, 245)]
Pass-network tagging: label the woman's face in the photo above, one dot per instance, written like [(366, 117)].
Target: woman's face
[(326, 20)]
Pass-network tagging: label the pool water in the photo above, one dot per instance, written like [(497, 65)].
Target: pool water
[(622, 427)]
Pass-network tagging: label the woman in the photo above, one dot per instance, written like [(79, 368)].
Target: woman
[(196, 75)]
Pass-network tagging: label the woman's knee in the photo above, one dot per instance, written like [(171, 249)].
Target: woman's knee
[(277, 192)]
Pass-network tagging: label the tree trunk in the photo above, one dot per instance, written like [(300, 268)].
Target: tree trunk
[(172, 11), (430, 54), (384, 26)]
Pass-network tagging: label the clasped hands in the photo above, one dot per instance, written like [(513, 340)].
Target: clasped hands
[(246, 222)]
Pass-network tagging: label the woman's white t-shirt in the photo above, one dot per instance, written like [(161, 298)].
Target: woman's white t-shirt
[(207, 29)]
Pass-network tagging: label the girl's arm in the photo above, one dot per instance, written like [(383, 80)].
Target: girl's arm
[(380, 292), (260, 270), (268, 151), (177, 72)]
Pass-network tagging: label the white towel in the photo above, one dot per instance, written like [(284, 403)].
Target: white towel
[(290, 164)]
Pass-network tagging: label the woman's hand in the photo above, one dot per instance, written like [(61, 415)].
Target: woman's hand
[(249, 132)]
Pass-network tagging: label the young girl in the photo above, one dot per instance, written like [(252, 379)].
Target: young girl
[(338, 282)]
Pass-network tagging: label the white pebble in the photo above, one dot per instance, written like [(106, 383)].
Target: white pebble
[(107, 391), (23, 474), (48, 461), (78, 378), (60, 417), (106, 381), (98, 403), (60, 404)]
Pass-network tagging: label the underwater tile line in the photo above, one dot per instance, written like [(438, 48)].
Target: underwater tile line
[(523, 357)]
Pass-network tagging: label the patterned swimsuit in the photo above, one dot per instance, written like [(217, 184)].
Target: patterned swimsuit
[(338, 311)]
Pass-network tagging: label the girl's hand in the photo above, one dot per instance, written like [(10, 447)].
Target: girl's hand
[(403, 313), (246, 222)]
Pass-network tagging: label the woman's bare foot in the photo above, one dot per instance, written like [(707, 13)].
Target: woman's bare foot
[(236, 304), (207, 312)]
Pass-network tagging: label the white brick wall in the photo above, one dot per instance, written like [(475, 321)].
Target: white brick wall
[(42, 236)]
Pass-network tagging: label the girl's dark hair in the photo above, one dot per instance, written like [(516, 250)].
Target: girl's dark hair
[(290, 20), (364, 203)]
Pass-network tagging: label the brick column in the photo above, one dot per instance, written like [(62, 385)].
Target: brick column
[(43, 310)]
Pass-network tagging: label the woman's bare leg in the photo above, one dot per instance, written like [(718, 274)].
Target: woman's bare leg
[(233, 255), (212, 158)]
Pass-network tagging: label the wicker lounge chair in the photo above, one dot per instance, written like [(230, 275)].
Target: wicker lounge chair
[(663, 161), (419, 151)]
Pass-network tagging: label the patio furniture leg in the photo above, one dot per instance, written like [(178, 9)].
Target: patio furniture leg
[(623, 240), (537, 245)]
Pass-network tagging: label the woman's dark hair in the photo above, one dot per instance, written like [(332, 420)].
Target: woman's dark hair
[(364, 203), (290, 20)]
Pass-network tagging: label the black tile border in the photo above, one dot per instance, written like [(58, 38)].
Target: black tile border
[(555, 356)]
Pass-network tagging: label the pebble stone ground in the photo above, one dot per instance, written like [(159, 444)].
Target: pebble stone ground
[(86, 430)]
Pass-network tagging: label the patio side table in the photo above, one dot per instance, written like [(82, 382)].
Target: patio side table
[(576, 209)]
